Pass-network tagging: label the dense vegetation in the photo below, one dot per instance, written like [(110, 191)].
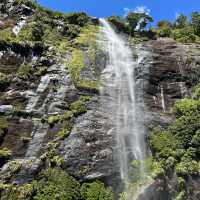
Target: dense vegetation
[(182, 29), (132, 24), (53, 184), (176, 148)]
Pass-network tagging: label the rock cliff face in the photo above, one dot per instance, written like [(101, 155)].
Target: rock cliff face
[(173, 72), (41, 99)]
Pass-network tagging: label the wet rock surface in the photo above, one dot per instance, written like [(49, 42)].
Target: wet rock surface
[(167, 70)]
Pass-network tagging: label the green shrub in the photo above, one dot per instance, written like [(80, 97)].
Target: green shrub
[(196, 22), (24, 71), (56, 184), (196, 140), (71, 31), (164, 32), (96, 191), (119, 23), (11, 192), (162, 145), (186, 107), (80, 19), (157, 170), (185, 127), (184, 35), (181, 21), (6, 35)]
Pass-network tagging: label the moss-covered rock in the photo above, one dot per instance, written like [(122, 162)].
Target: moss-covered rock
[(80, 106)]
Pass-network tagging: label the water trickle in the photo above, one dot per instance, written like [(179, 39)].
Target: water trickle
[(162, 98), (49, 105), (125, 100), (19, 25)]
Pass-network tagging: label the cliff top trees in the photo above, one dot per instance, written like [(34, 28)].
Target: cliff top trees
[(181, 21), (196, 22), (131, 23), (164, 28), (138, 21)]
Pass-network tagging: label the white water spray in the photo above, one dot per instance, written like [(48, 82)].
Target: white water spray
[(126, 114)]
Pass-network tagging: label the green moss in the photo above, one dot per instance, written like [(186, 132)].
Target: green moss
[(87, 36), (60, 118), (63, 133), (14, 166), (57, 160), (6, 35), (75, 65), (52, 155), (53, 119), (89, 85), (4, 81), (80, 106), (24, 71), (96, 191), (5, 154), (181, 195)]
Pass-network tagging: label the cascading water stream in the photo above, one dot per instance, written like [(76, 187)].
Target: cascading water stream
[(120, 85)]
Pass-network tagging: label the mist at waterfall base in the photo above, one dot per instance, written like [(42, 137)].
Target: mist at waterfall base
[(125, 105)]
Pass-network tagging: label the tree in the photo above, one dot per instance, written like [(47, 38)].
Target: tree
[(181, 21), (138, 21), (119, 23), (196, 22), (164, 23)]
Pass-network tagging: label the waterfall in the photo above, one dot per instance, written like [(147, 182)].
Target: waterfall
[(120, 85)]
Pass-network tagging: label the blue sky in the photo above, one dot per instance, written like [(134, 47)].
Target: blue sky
[(159, 9)]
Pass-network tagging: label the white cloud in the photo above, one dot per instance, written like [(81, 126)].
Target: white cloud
[(142, 9), (138, 9)]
